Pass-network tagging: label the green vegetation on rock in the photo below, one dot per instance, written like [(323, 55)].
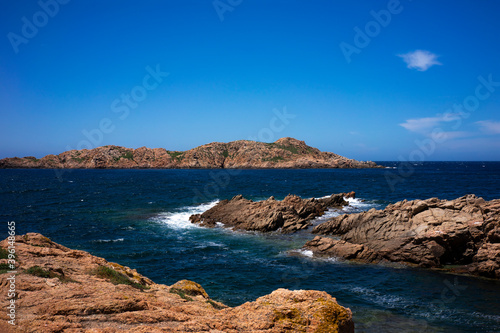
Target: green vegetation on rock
[(176, 155), (115, 277), (40, 272)]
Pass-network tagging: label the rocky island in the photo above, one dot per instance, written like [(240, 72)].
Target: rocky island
[(58, 289), (243, 154)]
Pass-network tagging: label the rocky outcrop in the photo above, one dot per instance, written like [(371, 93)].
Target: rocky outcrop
[(289, 215), (63, 290), (243, 154), (428, 233)]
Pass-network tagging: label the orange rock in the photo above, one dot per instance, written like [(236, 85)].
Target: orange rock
[(428, 233), (64, 290)]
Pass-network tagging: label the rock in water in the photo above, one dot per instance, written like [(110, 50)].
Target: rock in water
[(428, 233), (289, 215), (64, 290)]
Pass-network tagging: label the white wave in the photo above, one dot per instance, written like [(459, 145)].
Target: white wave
[(378, 298), (180, 218), (108, 240), (204, 245), (330, 213), (356, 204), (302, 252)]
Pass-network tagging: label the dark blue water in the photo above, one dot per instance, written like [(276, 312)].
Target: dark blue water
[(139, 218)]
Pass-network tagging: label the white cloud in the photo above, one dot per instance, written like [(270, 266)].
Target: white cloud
[(424, 125), (420, 60), (489, 126)]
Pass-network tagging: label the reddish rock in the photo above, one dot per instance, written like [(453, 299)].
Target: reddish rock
[(60, 290), (428, 233), (284, 153), (289, 215)]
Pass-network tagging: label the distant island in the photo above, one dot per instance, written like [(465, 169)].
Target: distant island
[(285, 153)]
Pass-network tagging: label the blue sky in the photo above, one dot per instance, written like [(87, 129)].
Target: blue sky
[(371, 80)]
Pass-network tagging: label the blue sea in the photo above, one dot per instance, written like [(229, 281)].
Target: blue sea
[(139, 218)]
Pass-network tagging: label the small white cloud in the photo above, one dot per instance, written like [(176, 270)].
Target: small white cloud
[(420, 60), (424, 125), (489, 126)]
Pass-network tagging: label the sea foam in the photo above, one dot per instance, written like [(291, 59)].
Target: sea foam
[(179, 219)]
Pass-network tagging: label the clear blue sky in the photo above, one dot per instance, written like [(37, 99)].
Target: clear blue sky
[(362, 88)]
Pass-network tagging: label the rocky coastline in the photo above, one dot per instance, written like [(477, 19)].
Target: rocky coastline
[(288, 215), (58, 289), (285, 153), (461, 235)]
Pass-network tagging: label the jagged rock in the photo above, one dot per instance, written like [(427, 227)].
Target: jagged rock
[(428, 233), (60, 290), (284, 153), (289, 215)]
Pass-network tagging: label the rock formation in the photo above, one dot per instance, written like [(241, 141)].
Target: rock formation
[(428, 233), (63, 290), (243, 154), (289, 215)]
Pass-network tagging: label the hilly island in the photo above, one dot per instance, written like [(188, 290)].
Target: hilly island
[(284, 153)]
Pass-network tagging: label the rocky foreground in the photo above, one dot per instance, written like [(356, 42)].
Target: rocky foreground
[(63, 290), (434, 233), (242, 154), (289, 215)]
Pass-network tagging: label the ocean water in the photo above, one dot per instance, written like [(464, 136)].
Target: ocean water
[(139, 218)]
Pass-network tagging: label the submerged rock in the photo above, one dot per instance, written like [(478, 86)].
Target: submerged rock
[(289, 215), (428, 233), (63, 290)]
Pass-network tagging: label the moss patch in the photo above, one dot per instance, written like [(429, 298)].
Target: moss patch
[(274, 159), (115, 277), (128, 155), (40, 272), (290, 148), (291, 320), (181, 293), (4, 268), (4, 254), (330, 316), (176, 155), (190, 288), (215, 305)]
